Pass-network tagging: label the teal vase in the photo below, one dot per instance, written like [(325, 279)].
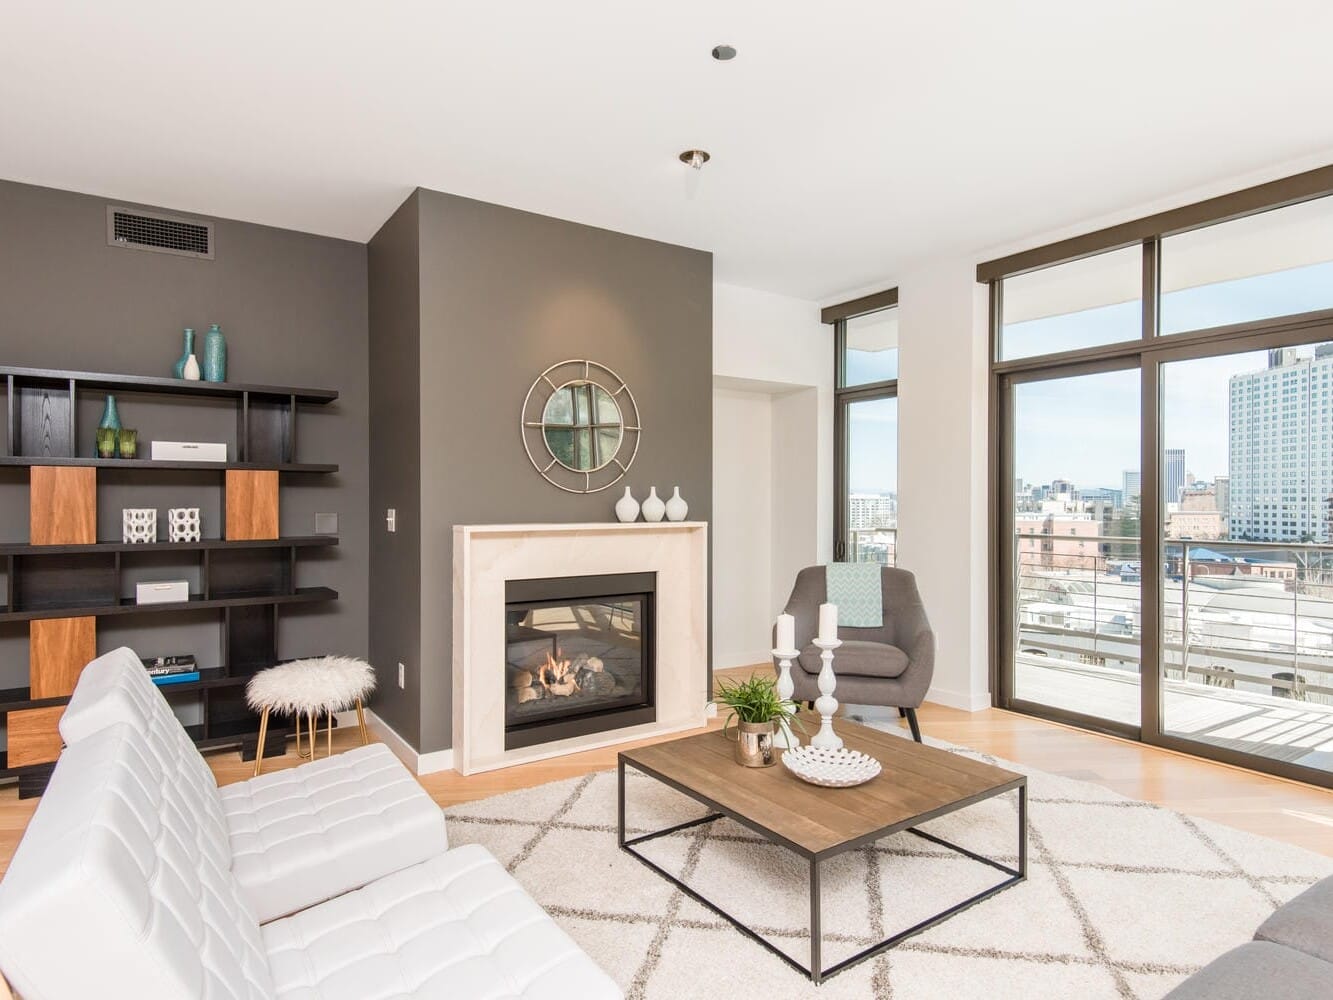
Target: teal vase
[(215, 355), (110, 420), (179, 370)]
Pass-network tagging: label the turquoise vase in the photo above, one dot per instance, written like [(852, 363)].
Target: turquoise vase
[(215, 355), (179, 370), (110, 419)]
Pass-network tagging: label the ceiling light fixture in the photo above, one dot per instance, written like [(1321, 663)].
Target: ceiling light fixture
[(695, 158), (723, 53)]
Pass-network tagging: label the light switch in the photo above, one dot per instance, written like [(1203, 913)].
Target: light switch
[(391, 519)]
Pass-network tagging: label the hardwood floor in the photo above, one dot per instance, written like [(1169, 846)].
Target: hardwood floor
[(1271, 807)]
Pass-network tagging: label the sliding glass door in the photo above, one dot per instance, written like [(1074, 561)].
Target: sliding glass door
[(1247, 568), (1163, 488), (1072, 540)]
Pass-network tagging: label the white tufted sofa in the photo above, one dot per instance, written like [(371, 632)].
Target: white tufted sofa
[(297, 837), (123, 888)]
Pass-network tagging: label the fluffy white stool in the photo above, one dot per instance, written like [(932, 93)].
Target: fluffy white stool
[(319, 686)]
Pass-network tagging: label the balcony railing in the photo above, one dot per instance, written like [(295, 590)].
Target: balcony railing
[(874, 545), (1238, 615)]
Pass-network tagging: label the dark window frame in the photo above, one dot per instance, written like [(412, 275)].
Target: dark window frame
[(844, 396), (1148, 352)]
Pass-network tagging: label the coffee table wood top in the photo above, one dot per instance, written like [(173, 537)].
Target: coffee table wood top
[(916, 784)]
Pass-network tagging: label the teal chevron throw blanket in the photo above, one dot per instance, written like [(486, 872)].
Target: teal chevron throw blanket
[(854, 588)]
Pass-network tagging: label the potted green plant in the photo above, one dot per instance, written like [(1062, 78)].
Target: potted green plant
[(757, 710)]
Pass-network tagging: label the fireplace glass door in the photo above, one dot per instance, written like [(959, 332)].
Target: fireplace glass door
[(578, 656)]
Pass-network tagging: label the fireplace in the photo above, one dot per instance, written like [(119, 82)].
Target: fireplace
[(579, 656)]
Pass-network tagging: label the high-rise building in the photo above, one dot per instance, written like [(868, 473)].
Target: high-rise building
[(1133, 483), (1222, 489), (1173, 474), (872, 510), (1281, 444)]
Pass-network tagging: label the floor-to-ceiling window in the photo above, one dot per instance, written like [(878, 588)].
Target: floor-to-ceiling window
[(1163, 479), (866, 456)]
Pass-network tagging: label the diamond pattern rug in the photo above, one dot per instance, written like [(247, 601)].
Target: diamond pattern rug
[(1123, 899)]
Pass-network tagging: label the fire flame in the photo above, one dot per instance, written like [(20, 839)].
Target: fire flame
[(556, 676)]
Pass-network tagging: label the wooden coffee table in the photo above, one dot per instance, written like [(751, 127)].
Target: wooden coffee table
[(917, 783)]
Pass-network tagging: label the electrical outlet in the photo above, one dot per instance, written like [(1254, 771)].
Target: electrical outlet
[(391, 521), (402, 676)]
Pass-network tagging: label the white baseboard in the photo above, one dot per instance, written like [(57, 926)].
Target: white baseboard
[(968, 701), (417, 763)]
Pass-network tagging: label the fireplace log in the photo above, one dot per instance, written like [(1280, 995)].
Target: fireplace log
[(518, 677), (531, 693), (592, 682)]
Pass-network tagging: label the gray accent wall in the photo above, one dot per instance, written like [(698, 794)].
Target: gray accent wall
[(293, 308), (503, 295), (395, 468)]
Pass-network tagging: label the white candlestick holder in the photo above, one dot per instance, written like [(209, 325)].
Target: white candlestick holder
[(785, 739), (826, 705)]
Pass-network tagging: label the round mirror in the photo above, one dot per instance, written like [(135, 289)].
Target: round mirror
[(582, 426)]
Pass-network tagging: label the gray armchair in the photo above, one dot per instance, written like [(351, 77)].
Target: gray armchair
[(891, 665)]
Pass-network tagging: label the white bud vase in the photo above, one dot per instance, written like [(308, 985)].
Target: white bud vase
[(653, 507), (192, 369), (627, 508), (676, 507)]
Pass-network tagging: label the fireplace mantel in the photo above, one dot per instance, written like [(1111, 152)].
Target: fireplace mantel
[(488, 555)]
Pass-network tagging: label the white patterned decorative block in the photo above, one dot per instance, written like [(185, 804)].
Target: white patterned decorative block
[(138, 525), (183, 524)]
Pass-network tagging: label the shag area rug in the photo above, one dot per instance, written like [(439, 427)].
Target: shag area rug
[(1123, 898)]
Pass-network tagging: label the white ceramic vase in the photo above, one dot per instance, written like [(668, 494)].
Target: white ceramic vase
[(192, 369), (676, 507), (653, 507), (627, 508)]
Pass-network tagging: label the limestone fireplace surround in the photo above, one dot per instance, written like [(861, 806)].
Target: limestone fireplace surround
[(488, 555)]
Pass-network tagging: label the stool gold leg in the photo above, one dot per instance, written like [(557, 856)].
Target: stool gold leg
[(312, 731), (361, 718), (259, 747), (329, 740)]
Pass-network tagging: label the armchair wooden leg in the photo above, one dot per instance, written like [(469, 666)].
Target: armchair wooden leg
[(361, 720), (259, 748), (911, 721), (902, 713)]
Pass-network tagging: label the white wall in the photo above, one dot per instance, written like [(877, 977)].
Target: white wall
[(943, 527), (742, 525), (772, 461)]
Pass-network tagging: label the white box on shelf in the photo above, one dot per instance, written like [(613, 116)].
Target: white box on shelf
[(162, 592), (189, 451)]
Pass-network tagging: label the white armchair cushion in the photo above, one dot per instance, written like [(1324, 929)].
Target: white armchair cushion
[(457, 927), (297, 836), (307, 834), (118, 889)]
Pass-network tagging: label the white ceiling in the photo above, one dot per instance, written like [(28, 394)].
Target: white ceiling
[(848, 138)]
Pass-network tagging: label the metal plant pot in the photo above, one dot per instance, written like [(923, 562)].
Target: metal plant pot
[(754, 744)]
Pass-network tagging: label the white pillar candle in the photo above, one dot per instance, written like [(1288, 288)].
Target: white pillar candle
[(828, 622), (786, 632)]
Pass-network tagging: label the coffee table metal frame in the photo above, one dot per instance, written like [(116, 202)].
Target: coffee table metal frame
[(816, 971)]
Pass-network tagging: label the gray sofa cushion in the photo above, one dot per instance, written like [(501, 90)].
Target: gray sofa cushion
[(858, 658), (1305, 923), (1259, 970)]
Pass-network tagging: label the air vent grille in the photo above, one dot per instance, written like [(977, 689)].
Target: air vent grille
[(159, 233)]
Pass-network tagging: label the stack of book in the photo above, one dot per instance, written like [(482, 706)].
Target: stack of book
[(163, 670)]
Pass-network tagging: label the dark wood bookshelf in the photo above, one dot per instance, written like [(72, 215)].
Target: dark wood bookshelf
[(149, 463), (64, 588)]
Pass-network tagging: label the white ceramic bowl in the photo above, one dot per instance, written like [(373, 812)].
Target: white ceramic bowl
[(831, 768)]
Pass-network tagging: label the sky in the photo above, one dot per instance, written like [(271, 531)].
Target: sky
[(1086, 429)]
